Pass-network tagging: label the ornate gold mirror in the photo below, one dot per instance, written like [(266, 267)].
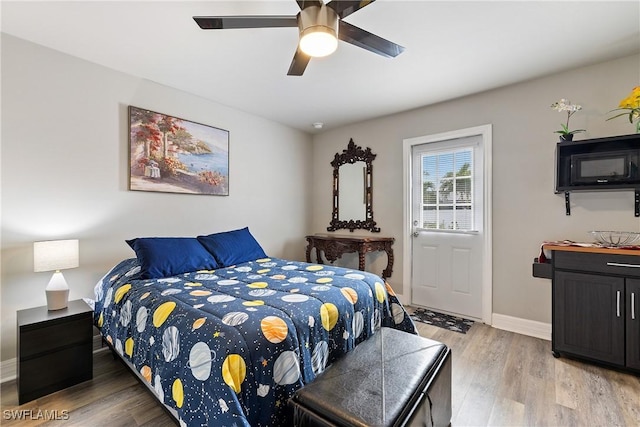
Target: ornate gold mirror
[(353, 190)]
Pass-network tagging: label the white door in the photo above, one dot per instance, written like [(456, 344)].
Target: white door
[(448, 238)]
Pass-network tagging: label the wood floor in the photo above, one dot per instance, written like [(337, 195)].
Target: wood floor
[(499, 379)]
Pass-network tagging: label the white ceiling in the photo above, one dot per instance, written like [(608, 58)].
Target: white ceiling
[(452, 49)]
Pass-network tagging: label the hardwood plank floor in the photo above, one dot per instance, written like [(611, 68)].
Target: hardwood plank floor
[(114, 397), (506, 379), (499, 379)]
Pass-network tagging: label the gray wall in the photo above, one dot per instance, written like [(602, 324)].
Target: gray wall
[(65, 166), (64, 173), (525, 209)]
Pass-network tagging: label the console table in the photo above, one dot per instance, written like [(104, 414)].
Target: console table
[(334, 246)]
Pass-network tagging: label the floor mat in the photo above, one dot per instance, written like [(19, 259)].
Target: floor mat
[(452, 323)]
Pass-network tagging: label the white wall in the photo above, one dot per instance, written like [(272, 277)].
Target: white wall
[(65, 168), (525, 209)]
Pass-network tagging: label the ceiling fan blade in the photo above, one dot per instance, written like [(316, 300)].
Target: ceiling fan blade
[(346, 8), (364, 39), (303, 4), (299, 63), (224, 22)]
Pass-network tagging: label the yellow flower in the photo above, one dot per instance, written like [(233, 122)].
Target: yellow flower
[(631, 107), (633, 100)]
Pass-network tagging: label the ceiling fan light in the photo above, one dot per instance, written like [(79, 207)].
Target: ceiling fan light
[(318, 41), (318, 27)]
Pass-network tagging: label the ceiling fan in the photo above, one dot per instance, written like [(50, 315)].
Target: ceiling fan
[(320, 26)]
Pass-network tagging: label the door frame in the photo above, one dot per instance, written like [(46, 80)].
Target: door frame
[(485, 132)]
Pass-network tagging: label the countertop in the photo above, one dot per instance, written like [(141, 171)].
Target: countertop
[(630, 250)]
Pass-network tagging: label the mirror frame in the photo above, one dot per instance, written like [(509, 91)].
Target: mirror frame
[(352, 154)]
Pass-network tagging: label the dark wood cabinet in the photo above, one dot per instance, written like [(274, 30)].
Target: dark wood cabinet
[(55, 349), (593, 313), (586, 322), (633, 323)]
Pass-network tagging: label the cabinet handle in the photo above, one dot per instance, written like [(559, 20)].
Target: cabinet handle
[(633, 306), (619, 264), (618, 303)]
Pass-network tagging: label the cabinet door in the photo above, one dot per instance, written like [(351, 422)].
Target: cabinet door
[(588, 316), (633, 323)]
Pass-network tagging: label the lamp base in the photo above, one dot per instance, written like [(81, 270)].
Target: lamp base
[(57, 299)]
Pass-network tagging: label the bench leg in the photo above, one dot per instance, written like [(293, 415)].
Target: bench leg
[(435, 408), (440, 395)]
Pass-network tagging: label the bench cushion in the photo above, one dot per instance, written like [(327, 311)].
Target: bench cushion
[(385, 381)]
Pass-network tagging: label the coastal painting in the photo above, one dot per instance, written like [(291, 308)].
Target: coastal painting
[(173, 155)]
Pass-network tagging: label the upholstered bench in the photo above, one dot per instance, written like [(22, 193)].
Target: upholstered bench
[(393, 379)]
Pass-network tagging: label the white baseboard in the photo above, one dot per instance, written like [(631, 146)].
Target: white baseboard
[(518, 325), (8, 369), (531, 328)]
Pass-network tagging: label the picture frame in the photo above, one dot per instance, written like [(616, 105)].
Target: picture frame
[(169, 154)]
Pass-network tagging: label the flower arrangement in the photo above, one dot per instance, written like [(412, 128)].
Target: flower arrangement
[(562, 106), (631, 105)]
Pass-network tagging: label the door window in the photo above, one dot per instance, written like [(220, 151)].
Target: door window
[(447, 190)]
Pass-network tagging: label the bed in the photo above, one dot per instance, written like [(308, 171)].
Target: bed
[(230, 345)]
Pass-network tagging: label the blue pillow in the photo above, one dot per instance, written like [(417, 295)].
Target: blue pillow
[(168, 256), (232, 247)]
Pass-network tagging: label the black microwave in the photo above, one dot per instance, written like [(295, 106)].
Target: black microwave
[(605, 163), (617, 167)]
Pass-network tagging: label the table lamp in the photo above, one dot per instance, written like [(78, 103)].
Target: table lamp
[(56, 255)]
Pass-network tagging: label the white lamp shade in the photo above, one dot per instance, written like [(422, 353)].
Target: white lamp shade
[(55, 255)]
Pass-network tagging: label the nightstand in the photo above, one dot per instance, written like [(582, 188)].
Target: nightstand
[(55, 349)]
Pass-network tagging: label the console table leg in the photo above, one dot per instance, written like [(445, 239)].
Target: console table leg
[(308, 252), (389, 270), (361, 264)]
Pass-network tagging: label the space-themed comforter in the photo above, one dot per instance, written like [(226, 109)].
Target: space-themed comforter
[(229, 347)]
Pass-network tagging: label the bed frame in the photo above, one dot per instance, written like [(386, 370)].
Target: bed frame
[(116, 356)]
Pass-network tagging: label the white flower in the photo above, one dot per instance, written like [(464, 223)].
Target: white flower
[(566, 105), (562, 106)]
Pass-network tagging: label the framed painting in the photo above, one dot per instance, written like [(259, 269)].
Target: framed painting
[(172, 155)]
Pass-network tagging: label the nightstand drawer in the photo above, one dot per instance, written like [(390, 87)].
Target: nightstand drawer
[(55, 371), (73, 331)]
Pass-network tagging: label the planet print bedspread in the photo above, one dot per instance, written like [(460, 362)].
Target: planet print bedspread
[(229, 347)]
